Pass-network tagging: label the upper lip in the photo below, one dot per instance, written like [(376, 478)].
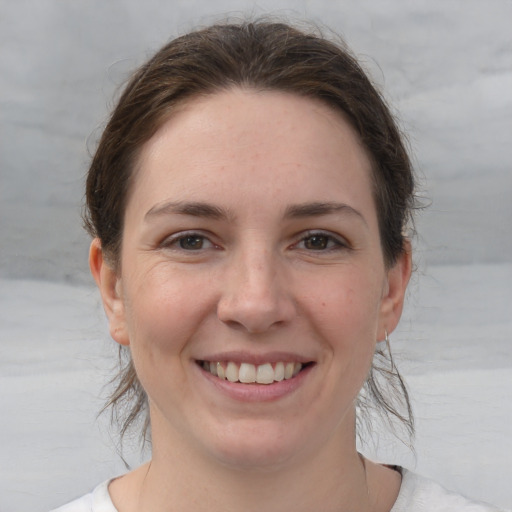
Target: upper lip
[(256, 359)]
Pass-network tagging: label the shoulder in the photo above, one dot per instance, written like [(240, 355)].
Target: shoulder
[(419, 494), (96, 501)]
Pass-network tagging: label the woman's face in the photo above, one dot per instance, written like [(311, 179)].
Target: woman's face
[(251, 251)]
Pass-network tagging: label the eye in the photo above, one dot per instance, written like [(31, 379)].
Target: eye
[(319, 241), (188, 242), (191, 242)]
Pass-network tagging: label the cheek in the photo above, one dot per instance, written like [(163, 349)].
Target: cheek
[(163, 312), (345, 316), (162, 318), (345, 305)]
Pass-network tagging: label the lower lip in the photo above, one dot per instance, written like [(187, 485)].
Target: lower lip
[(257, 392)]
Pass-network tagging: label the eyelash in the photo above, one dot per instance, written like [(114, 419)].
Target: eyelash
[(174, 241), (333, 243)]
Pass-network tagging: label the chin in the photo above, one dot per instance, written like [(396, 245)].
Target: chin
[(256, 448)]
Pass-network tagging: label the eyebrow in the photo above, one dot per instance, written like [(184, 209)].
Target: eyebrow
[(193, 209), (207, 210), (317, 209)]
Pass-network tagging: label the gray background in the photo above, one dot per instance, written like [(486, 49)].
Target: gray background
[(445, 65)]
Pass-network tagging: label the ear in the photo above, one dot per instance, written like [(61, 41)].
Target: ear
[(394, 292), (109, 284)]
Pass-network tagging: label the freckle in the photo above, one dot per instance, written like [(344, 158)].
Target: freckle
[(323, 304)]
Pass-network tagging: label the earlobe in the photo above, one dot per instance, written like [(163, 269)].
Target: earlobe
[(109, 284), (393, 299)]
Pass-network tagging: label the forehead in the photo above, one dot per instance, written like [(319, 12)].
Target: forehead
[(257, 142), (241, 113)]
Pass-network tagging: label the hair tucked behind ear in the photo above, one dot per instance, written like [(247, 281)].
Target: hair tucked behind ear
[(263, 56)]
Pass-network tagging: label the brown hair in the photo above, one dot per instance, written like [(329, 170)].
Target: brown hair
[(264, 56)]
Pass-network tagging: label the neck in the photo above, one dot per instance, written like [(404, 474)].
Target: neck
[(177, 479), (174, 487)]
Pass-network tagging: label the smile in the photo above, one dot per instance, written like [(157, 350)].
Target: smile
[(248, 373)]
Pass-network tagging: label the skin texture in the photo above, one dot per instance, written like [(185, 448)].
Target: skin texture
[(283, 263)]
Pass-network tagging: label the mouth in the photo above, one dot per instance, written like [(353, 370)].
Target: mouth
[(248, 373)]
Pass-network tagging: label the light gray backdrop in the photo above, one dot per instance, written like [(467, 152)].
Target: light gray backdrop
[(446, 66)]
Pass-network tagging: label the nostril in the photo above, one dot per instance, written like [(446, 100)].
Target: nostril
[(255, 314), (253, 327)]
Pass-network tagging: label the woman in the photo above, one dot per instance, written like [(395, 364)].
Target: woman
[(249, 202)]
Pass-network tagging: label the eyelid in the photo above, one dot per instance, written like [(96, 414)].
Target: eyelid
[(340, 241), (171, 241)]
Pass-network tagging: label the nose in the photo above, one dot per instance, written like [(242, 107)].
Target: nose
[(256, 296)]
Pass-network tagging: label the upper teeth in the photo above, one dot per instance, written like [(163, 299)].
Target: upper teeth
[(248, 373)]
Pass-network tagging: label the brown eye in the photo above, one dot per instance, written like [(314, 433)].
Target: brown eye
[(188, 242), (321, 242), (191, 242), (317, 242)]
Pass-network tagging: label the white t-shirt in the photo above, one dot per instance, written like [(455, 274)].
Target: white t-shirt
[(417, 494)]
